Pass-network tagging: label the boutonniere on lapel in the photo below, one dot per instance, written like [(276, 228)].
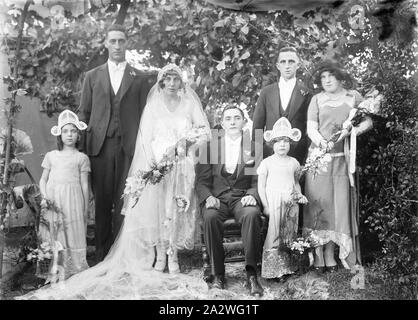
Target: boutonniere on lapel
[(304, 92), (302, 89), (132, 73)]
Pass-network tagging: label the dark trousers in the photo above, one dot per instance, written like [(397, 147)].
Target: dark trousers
[(109, 170), (250, 219)]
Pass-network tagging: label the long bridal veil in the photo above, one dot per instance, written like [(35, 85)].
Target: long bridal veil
[(126, 273)]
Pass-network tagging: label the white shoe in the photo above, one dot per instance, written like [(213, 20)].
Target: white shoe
[(161, 259), (173, 265)]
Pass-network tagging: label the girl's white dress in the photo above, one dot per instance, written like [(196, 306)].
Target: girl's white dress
[(283, 220), (64, 188)]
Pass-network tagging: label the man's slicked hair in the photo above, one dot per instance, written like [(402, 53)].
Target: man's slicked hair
[(232, 107), (116, 27), (287, 49)]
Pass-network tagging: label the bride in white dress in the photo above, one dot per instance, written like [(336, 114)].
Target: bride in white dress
[(127, 272)]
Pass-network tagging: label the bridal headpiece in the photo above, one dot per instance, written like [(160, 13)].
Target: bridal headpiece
[(282, 128), (171, 67), (67, 117)]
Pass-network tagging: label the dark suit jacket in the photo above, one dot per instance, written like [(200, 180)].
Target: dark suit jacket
[(95, 107), (209, 180), (268, 111)]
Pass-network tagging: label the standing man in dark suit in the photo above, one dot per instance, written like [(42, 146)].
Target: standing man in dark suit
[(226, 186), (112, 100), (286, 98)]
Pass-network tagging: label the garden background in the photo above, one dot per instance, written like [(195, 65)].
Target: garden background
[(228, 54)]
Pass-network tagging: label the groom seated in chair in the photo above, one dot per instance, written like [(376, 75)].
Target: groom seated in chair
[(226, 186)]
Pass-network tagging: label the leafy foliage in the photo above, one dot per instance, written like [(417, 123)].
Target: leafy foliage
[(230, 57)]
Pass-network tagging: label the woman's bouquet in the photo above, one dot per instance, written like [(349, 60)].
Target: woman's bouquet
[(319, 158), (301, 251), (317, 161), (368, 107), (287, 226), (44, 251), (136, 183), (301, 244)]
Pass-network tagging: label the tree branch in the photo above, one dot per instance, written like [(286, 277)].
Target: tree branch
[(123, 11), (15, 75)]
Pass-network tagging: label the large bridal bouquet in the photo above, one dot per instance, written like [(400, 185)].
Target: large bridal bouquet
[(136, 183)]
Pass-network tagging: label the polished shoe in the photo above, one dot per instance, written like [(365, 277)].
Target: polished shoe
[(218, 282), (332, 269), (284, 278), (255, 288), (319, 270)]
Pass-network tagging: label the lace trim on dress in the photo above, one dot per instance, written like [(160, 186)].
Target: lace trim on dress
[(344, 241), (74, 261)]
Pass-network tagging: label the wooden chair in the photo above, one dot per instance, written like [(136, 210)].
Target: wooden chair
[(232, 242)]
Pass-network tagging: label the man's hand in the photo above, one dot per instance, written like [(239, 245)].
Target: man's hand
[(212, 202), (248, 201)]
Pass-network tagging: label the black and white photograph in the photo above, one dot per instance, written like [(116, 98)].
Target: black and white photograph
[(201, 152)]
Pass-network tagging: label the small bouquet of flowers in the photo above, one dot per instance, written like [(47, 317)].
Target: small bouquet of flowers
[(183, 203), (300, 251), (319, 158), (50, 225), (317, 161), (136, 183), (44, 251), (287, 227)]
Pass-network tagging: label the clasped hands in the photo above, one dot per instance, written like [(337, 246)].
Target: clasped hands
[(212, 202), (345, 132)]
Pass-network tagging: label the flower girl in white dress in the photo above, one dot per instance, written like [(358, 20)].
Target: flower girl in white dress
[(280, 193)]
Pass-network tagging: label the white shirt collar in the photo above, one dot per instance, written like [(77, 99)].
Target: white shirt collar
[(113, 65), (233, 142), (289, 83), (232, 153)]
